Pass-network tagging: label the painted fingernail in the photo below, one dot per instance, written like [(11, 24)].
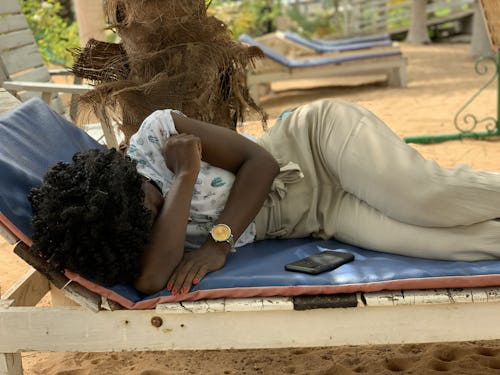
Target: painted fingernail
[(196, 281), (174, 292), (169, 286), (184, 290)]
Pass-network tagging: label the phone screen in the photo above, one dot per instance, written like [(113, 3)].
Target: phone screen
[(324, 261)]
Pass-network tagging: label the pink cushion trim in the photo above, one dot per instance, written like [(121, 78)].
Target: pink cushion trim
[(14, 230), (420, 283)]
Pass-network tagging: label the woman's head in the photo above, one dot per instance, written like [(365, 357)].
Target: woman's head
[(89, 217)]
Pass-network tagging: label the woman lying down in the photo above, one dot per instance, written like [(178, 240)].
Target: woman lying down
[(188, 193)]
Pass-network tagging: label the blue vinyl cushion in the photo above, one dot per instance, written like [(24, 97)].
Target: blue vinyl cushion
[(323, 47), (33, 138), (261, 264)]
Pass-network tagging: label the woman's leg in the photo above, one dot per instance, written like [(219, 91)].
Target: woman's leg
[(375, 165), (361, 225)]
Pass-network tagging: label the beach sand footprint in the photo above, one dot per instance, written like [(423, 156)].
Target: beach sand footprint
[(449, 353), (153, 372), (335, 369), (450, 358), (398, 364), (439, 365), (78, 371), (487, 357)]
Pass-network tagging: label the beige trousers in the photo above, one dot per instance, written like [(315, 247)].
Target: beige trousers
[(363, 185)]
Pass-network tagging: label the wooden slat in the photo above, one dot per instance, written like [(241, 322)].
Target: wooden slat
[(432, 296), (73, 291), (21, 58), (6, 234), (16, 39), (40, 74), (10, 6), (13, 23), (7, 101), (47, 87), (59, 298), (28, 290), (228, 305)]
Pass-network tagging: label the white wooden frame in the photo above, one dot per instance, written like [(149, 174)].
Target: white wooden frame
[(380, 318)]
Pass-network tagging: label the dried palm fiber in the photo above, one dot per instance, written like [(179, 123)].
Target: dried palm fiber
[(171, 55)]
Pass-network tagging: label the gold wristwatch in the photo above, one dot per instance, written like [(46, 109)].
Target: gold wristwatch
[(222, 233)]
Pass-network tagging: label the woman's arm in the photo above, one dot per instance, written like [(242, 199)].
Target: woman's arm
[(166, 246), (254, 169)]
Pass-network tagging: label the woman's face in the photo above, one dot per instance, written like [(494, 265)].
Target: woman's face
[(153, 199)]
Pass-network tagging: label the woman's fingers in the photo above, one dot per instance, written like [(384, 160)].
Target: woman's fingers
[(183, 276), (182, 153), (177, 279), (194, 266), (195, 273)]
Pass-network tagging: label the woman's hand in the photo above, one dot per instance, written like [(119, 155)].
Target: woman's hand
[(182, 154), (196, 264)]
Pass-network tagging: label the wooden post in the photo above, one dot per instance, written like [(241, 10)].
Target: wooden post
[(480, 43), (11, 364), (418, 33)]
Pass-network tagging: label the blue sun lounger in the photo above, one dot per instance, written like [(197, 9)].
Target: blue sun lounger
[(277, 67), (251, 303)]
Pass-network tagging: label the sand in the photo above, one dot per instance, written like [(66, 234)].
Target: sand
[(441, 79)]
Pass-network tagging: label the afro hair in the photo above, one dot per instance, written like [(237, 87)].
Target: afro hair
[(89, 217)]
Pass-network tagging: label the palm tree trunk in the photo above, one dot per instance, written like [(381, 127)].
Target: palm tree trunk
[(418, 33), (90, 18)]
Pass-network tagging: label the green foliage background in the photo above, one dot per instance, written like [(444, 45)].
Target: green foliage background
[(246, 16), (249, 16), (53, 34)]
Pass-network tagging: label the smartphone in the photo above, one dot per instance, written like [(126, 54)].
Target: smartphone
[(325, 261)]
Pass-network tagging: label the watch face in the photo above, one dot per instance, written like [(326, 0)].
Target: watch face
[(221, 232)]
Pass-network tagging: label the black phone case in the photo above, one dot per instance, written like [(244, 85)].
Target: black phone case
[(325, 261)]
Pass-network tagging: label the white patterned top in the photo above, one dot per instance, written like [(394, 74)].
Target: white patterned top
[(211, 189)]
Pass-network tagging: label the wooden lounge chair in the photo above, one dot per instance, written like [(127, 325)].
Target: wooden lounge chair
[(24, 73), (276, 67), (83, 321)]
